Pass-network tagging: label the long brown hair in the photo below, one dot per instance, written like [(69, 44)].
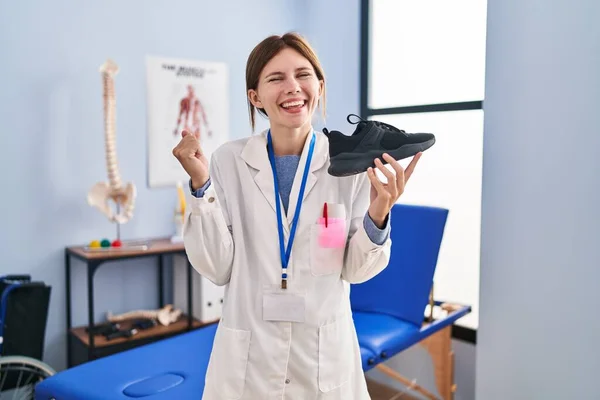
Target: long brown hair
[(269, 48)]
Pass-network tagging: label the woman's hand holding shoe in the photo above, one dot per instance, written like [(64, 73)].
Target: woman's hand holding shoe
[(385, 195)]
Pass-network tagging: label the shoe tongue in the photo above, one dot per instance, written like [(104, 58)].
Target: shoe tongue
[(359, 128)]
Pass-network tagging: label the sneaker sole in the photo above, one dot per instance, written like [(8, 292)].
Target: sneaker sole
[(346, 164)]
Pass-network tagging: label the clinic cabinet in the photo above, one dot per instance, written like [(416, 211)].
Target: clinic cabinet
[(84, 346)]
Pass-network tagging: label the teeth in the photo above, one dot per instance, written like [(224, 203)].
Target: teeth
[(292, 104)]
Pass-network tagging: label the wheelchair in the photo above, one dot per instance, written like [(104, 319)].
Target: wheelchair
[(23, 318)]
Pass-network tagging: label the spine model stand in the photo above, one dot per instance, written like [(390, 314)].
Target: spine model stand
[(100, 194)]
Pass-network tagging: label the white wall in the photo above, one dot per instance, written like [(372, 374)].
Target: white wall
[(540, 271)]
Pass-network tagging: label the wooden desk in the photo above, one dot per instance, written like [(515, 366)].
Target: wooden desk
[(81, 341)]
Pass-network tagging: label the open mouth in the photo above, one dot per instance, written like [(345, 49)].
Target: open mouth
[(293, 106)]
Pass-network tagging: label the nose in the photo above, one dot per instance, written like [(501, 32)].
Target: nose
[(292, 86)]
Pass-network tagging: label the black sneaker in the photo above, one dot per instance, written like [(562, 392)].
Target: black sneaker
[(351, 155)]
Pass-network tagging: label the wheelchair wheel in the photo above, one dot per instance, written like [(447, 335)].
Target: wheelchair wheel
[(19, 376)]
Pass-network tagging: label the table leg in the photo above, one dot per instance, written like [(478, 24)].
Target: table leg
[(68, 294), (90, 286), (161, 278)]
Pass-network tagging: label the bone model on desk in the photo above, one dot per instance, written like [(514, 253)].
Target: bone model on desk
[(165, 316)]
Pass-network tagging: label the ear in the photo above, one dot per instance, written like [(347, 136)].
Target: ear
[(253, 96), (321, 90)]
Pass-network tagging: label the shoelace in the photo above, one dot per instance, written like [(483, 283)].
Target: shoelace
[(377, 123)]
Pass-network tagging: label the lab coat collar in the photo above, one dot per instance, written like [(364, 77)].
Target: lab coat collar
[(256, 156)]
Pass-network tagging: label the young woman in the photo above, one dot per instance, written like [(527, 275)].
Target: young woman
[(286, 239)]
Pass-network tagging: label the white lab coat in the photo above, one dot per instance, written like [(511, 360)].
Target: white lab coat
[(231, 238)]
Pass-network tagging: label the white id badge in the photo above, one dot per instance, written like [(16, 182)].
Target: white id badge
[(286, 307)]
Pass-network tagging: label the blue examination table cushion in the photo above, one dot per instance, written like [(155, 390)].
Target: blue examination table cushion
[(367, 356), (382, 333), (172, 368)]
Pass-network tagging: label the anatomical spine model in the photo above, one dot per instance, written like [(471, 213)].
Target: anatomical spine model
[(100, 194)]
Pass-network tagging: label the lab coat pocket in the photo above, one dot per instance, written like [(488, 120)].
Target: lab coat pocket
[(230, 357), (328, 244), (335, 354)]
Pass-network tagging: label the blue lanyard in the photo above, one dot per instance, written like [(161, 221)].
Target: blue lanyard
[(285, 253)]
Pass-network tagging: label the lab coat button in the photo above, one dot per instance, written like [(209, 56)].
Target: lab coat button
[(211, 199), (287, 381)]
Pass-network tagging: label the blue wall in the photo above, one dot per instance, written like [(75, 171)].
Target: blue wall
[(52, 128), (333, 28)]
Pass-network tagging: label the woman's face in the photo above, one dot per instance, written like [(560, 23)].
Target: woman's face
[(288, 90)]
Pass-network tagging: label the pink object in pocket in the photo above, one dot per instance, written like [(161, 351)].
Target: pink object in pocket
[(334, 235)]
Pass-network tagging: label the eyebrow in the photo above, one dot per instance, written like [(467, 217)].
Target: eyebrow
[(281, 73)]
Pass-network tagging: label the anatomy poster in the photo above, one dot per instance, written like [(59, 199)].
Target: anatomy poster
[(183, 94)]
